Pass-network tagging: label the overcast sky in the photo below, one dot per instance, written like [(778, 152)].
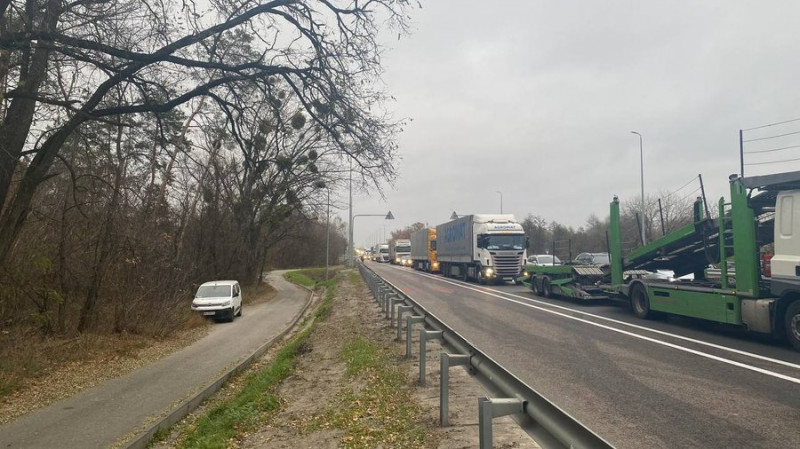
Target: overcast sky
[(537, 100)]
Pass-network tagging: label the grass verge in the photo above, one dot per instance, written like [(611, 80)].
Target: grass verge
[(257, 400), (383, 412)]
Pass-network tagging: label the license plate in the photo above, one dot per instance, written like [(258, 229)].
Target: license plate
[(208, 313)]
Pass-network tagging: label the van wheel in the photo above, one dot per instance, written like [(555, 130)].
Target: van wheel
[(792, 324), (241, 306), (640, 302)]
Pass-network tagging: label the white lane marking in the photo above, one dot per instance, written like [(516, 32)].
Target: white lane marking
[(631, 334), (636, 326)]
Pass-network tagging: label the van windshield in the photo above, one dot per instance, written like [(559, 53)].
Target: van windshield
[(213, 291)]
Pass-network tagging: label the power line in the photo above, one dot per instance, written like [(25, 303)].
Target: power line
[(773, 162), (772, 124), (772, 150), (683, 186), (771, 137), (692, 193)]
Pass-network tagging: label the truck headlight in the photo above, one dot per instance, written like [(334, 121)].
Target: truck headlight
[(489, 272), (525, 273), (436, 265)]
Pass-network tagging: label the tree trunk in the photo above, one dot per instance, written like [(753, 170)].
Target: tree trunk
[(104, 246), (16, 211)]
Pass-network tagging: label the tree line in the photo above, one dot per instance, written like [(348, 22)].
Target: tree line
[(664, 212), (148, 146)]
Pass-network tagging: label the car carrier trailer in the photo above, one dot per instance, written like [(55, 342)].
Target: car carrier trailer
[(763, 211), (572, 281)]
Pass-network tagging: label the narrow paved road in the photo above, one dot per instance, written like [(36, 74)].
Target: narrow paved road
[(98, 417), (637, 383)]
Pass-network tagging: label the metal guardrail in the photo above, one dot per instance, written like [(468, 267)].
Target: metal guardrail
[(549, 425)]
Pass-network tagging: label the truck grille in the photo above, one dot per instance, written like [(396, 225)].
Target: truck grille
[(507, 265)]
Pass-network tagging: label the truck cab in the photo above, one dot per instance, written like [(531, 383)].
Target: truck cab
[(500, 249)]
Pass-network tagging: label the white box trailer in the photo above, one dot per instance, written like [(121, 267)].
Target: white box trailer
[(482, 247)]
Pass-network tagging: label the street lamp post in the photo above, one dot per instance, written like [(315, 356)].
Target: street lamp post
[(351, 248), (641, 171), (501, 201)]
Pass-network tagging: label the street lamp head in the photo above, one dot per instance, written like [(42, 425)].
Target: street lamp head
[(389, 216)]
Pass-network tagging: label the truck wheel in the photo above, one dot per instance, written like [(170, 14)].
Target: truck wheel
[(792, 324), (481, 279), (640, 302), (547, 290), (534, 286), (464, 276)]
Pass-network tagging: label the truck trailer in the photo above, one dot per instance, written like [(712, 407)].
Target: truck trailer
[(486, 248), (399, 248), (423, 250)]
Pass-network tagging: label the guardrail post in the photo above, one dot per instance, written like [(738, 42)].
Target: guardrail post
[(381, 289), (395, 301), (424, 336), (400, 311), (410, 321), (385, 305), (489, 409), (390, 307), (445, 362)]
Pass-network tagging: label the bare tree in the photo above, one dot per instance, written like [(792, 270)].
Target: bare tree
[(324, 52)]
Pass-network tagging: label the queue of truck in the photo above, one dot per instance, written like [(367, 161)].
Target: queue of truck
[(763, 296)]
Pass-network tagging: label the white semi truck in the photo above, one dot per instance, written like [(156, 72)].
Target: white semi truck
[(383, 252), (486, 248), (399, 248)]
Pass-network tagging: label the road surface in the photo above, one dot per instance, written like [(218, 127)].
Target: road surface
[(99, 417), (636, 383)]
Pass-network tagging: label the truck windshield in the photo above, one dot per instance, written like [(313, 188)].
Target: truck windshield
[(505, 242), (403, 249), (384, 250)]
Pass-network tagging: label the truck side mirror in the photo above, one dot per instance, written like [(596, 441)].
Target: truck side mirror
[(527, 242)]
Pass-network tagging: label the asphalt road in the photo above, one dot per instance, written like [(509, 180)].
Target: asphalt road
[(670, 383), (99, 417)]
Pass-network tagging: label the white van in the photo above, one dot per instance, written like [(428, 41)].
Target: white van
[(219, 299)]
